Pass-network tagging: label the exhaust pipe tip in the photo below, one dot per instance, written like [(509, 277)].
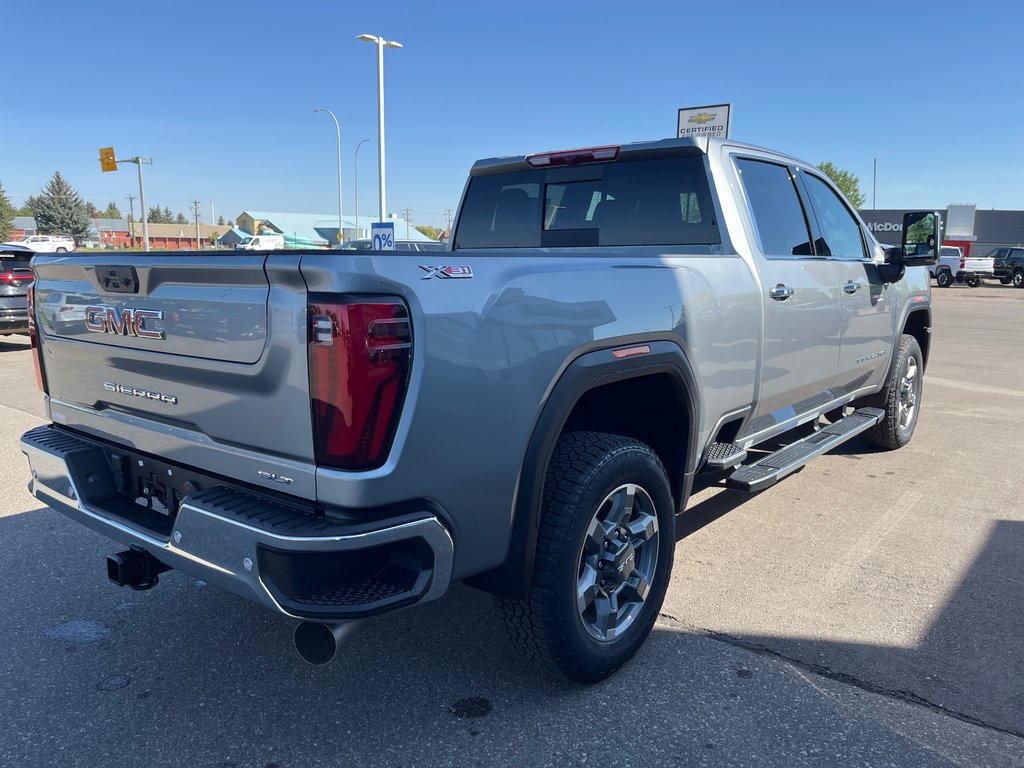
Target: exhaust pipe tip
[(318, 643)]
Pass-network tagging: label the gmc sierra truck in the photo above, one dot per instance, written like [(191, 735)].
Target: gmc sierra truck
[(335, 436)]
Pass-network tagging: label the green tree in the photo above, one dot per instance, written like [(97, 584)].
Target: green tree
[(168, 216), (92, 210), (220, 221), (848, 184), (7, 214), (431, 232), (180, 219), (111, 212), (231, 224), (155, 215), (60, 210)]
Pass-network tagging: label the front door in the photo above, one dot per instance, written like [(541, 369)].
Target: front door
[(868, 317)]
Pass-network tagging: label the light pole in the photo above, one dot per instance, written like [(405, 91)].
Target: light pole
[(337, 125), (140, 161), (381, 44), (355, 171)]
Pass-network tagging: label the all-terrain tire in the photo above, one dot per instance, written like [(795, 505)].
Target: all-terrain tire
[(1018, 278), (586, 470), (902, 398), (944, 278)]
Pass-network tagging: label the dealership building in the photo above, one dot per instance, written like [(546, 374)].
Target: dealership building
[(976, 232)]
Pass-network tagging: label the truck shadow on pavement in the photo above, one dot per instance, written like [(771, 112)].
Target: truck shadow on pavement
[(186, 674), (14, 343)]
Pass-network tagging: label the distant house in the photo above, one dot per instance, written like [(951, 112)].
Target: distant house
[(233, 237)]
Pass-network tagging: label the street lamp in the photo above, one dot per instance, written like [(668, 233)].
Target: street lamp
[(381, 44), (355, 170), (341, 226)]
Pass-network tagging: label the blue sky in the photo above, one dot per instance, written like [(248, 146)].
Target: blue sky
[(221, 93)]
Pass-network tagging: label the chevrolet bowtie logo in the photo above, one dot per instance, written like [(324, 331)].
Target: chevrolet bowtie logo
[(702, 117)]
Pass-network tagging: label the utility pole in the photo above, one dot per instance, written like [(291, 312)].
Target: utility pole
[(448, 213), (407, 215), (195, 213), (131, 218), (213, 213)]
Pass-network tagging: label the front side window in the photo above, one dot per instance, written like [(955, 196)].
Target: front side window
[(839, 227), (776, 208)]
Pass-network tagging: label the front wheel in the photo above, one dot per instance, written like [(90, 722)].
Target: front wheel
[(944, 278), (604, 557), (902, 395), (1018, 278), (62, 250)]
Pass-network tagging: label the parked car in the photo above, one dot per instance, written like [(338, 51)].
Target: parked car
[(1008, 266), (262, 243), (45, 243), (954, 267), (366, 244), (15, 279)]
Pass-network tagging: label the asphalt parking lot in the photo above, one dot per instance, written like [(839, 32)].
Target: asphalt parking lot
[(867, 611)]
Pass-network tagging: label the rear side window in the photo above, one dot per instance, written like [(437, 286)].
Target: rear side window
[(781, 224), (663, 201)]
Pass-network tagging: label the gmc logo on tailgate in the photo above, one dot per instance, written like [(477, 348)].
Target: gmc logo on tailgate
[(123, 322)]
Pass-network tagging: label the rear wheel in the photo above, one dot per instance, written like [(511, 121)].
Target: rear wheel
[(604, 557), (902, 395), (1004, 280), (972, 281), (62, 250), (1018, 278), (944, 278)]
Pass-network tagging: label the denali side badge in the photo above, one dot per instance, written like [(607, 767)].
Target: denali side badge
[(446, 271)]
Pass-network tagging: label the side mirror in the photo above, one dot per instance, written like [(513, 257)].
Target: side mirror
[(922, 238)]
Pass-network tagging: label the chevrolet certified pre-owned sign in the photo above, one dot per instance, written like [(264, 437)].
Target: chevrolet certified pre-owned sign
[(704, 121)]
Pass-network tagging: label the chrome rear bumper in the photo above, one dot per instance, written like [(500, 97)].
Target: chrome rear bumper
[(296, 563)]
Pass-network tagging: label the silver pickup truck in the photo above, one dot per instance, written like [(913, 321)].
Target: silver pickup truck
[(338, 435)]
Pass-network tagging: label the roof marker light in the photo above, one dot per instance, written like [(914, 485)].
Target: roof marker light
[(573, 156)]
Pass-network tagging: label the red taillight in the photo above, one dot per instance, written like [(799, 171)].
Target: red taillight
[(963, 263), (17, 279), (573, 156), (359, 352), (36, 362)]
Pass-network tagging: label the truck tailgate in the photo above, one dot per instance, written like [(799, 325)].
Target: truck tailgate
[(197, 357)]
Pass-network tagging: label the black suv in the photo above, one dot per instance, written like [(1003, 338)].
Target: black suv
[(1008, 266), (15, 278)]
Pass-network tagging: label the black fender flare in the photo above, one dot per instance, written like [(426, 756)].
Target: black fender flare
[(586, 372)]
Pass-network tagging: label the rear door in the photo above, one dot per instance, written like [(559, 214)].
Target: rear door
[(802, 306)]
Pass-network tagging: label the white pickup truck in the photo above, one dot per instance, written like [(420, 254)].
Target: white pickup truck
[(45, 243), (953, 266)]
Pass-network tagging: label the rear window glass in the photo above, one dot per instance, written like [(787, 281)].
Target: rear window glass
[(633, 202), (9, 262)]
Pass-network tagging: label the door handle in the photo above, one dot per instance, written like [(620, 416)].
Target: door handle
[(851, 287), (780, 292)]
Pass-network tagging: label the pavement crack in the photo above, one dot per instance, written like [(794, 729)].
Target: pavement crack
[(843, 677)]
